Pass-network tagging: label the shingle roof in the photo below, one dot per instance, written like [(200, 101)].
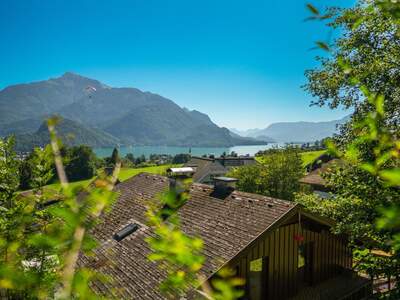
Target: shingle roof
[(213, 168), (205, 166), (226, 226)]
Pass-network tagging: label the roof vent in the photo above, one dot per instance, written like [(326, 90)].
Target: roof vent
[(124, 232)]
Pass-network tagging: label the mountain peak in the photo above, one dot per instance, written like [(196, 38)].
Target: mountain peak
[(70, 75), (76, 78)]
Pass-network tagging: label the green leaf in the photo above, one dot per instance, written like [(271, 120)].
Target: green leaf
[(312, 9), (379, 103), (324, 46), (391, 175)]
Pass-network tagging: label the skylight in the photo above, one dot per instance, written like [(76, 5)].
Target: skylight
[(124, 232)]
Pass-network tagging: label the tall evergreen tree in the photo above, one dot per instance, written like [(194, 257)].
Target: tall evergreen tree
[(114, 157)]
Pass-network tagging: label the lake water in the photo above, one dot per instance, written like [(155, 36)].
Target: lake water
[(196, 151)]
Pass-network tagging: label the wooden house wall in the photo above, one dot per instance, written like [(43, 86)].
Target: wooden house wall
[(331, 256)]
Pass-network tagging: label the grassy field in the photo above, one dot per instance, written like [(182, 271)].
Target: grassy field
[(306, 157), (309, 157), (124, 174), (127, 173)]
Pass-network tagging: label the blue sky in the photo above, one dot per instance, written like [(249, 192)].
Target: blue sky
[(241, 62)]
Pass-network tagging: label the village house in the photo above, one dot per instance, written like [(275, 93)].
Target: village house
[(236, 161), (205, 168), (282, 251), (314, 179)]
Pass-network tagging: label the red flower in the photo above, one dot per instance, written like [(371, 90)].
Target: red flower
[(298, 238)]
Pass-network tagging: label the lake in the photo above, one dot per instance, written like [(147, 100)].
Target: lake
[(196, 151)]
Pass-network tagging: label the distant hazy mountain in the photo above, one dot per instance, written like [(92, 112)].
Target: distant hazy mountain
[(70, 132), (249, 133), (127, 114), (252, 141), (296, 131)]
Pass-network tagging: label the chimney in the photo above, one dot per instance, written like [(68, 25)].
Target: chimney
[(177, 184), (223, 186), (177, 176)]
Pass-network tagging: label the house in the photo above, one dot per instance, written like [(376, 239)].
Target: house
[(282, 251), (205, 169), (208, 168), (315, 179), (236, 161)]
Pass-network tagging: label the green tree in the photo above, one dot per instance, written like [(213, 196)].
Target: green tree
[(278, 176), (366, 54), (140, 159), (361, 73), (181, 158), (25, 171), (29, 172), (81, 163), (130, 157), (251, 179), (9, 171)]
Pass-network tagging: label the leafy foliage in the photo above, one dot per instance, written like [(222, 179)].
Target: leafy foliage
[(30, 175), (365, 56), (41, 234), (358, 194), (277, 176), (82, 163), (9, 173), (361, 73)]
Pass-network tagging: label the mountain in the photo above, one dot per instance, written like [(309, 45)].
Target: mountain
[(265, 138), (70, 132), (251, 141), (258, 138), (127, 114), (296, 131), (34, 100)]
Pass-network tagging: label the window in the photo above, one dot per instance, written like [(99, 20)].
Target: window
[(256, 265), (301, 260), (124, 232)]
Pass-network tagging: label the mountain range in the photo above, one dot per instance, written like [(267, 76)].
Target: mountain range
[(294, 132), (98, 115)]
